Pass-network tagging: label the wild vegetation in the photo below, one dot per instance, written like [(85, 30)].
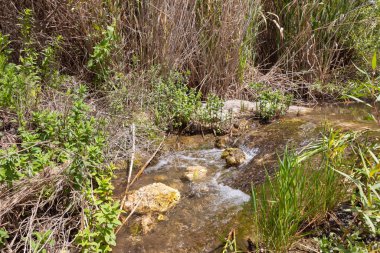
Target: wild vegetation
[(297, 200), (74, 75)]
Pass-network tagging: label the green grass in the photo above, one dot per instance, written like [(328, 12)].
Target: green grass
[(304, 190)]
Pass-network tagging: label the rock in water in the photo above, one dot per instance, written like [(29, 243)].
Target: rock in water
[(195, 173), (233, 156), (148, 223), (156, 197), (222, 141)]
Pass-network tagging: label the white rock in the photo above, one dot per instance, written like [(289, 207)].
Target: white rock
[(238, 106)]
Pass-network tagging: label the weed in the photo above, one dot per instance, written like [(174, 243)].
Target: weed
[(230, 245), (211, 112), (42, 242), (21, 84), (3, 237), (72, 138)]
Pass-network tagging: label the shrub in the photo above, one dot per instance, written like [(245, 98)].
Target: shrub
[(273, 104), (21, 84), (72, 142), (176, 106), (174, 102), (210, 114), (100, 59)]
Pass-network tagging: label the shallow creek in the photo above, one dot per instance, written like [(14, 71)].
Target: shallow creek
[(209, 209)]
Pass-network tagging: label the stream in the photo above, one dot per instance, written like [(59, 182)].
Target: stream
[(210, 208)]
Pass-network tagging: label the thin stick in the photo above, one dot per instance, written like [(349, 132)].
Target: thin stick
[(133, 153), (139, 173), (146, 164), (129, 216)]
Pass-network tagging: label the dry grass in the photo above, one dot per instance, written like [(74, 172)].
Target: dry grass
[(218, 41), (29, 206)]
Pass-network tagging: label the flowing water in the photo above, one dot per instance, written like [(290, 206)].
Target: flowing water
[(210, 208)]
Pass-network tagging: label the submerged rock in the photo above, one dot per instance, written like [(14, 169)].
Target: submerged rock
[(222, 141), (160, 178), (195, 173), (148, 223), (233, 156), (156, 197), (299, 110)]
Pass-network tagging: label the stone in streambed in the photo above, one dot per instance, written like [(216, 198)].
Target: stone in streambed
[(233, 156), (195, 173), (156, 197), (148, 223), (222, 141)]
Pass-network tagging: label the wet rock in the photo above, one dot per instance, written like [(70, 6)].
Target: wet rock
[(160, 178), (222, 141), (198, 190), (195, 173), (176, 184), (242, 125), (156, 197), (233, 156), (148, 223), (299, 110)]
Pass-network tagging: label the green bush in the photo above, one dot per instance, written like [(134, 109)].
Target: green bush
[(273, 104), (211, 113), (174, 102), (56, 139), (176, 106), (100, 59)]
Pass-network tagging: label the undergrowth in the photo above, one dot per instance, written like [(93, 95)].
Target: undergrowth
[(57, 185)]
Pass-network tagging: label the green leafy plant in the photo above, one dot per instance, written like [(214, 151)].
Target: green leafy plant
[(42, 242), (21, 84), (73, 141), (3, 237), (210, 114), (175, 103), (273, 104), (369, 89), (230, 244), (100, 59), (361, 235)]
